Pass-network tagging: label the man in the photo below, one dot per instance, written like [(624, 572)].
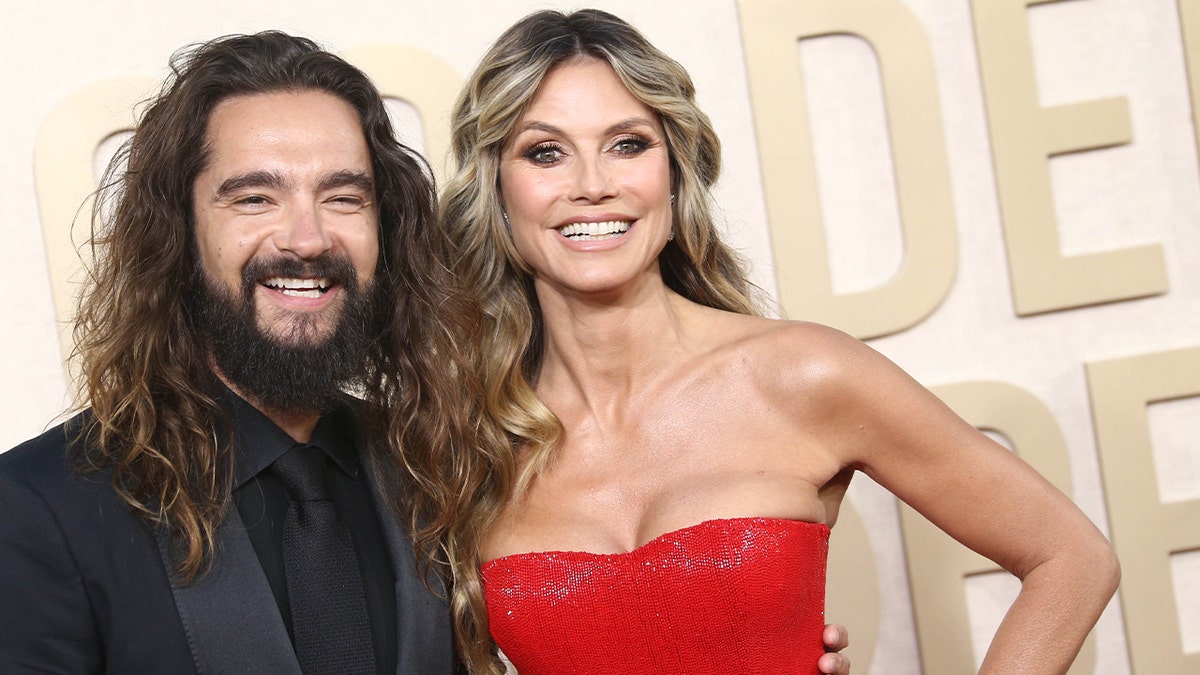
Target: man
[(269, 246)]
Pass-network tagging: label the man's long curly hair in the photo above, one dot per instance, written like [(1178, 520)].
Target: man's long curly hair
[(522, 433), (155, 420)]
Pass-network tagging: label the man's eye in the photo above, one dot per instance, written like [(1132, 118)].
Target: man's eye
[(347, 202), (252, 200)]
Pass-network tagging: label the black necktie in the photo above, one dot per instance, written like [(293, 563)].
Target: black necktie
[(329, 612)]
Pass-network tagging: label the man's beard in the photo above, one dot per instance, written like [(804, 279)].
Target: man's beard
[(297, 371)]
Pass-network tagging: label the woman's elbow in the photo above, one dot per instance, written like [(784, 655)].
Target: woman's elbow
[(1106, 568)]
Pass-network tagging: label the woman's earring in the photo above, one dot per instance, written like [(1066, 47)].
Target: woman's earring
[(671, 234), (505, 215)]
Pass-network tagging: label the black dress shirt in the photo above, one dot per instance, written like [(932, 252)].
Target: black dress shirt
[(262, 501)]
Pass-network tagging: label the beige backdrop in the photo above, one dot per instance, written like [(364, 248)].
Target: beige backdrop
[(1000, 195)]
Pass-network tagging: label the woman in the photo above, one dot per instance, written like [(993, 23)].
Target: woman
[(689, 453)]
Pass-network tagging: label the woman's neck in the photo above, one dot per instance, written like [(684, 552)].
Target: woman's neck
[(602, 347)]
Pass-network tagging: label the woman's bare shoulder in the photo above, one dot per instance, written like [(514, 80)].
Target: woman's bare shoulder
[(791, 342), (797, 358), (782, 353)]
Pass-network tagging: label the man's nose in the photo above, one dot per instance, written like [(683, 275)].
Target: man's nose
[(304, 233)]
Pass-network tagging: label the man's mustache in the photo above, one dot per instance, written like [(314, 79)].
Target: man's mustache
[(336, 268)]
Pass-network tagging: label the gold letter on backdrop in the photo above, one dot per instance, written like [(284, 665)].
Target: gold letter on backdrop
[(1145, 530), (64, 176), (1024, 134), (852, 594), (1189, 23), (937, 564), (771, 30), (425, 81)]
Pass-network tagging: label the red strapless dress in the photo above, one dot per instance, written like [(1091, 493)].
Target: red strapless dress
[(743, 595)]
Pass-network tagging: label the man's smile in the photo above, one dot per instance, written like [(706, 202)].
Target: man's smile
[(303, 288)]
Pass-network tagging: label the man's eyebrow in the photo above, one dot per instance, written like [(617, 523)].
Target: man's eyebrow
[(275, 181), (347, 178), (253, 179)]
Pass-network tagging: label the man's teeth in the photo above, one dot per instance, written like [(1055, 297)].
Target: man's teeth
[(594, 231), (302, 288)]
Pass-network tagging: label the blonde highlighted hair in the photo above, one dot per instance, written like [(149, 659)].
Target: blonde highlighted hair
[(521, 431)]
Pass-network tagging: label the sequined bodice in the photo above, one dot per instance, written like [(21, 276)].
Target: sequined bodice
[(741, 595)]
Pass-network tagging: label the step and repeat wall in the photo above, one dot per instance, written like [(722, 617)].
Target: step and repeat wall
[(1002, 196)]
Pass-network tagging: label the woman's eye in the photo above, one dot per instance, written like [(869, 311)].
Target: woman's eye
[(630, 146), (543, 154)]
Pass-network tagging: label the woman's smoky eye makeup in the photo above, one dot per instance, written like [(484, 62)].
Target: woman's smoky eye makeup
[(549, 152), (542, 152), (631, 145)]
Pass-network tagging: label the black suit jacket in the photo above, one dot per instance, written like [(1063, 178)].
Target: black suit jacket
[(86, 587)]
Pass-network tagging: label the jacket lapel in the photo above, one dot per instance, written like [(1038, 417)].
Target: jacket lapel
[(229, 615), (424, 643)]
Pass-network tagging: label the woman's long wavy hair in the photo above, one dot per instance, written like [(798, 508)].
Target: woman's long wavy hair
[(155, 419), (696, 264)]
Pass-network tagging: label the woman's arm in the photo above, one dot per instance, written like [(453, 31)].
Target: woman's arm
[(881, 421)]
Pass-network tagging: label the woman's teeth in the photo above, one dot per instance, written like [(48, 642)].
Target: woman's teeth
[(594, 231)]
